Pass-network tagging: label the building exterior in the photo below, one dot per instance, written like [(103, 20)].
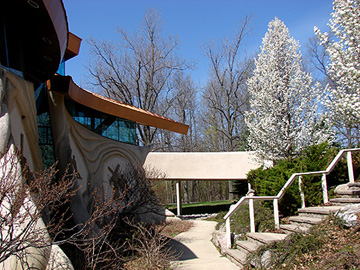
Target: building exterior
[(49, 118)]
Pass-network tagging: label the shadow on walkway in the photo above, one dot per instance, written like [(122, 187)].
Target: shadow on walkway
[(195, 250), (181, 252)]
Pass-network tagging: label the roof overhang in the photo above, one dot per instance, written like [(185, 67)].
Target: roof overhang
[(73, 46), (100, 103)]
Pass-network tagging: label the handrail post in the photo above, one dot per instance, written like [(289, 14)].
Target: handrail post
[(252, 215), (350, 167), (302, 195), (324, 188), (276, 213), (228, 233)]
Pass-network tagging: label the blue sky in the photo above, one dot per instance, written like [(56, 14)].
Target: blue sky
[(195, 22)]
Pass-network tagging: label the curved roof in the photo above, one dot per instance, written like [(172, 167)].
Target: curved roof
[(33, 37), (113, 107)]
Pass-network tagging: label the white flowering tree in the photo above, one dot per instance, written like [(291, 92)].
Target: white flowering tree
[(343, 102), (283, 119)]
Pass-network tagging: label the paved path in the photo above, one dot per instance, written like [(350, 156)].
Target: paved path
[(198, 252)]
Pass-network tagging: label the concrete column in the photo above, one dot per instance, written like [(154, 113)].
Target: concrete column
[(178, 197)]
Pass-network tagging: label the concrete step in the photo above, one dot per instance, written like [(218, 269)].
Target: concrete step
[(247, 246), (293, 228), (305, 221), (354, 186), (236, 256), (318, 211), (342, 201), (352, 193), (265, 238)]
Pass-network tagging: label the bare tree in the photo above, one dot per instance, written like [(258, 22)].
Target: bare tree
[(184, 110), (318, 57), (225, 95), (139, 70)]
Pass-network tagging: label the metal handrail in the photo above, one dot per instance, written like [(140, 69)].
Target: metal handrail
[(281, 193)]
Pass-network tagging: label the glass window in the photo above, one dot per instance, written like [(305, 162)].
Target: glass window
[(103, 124), (45, 140), (61, 69)]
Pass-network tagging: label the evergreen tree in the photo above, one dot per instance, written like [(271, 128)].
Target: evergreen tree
[(343, 102), (283, 118)]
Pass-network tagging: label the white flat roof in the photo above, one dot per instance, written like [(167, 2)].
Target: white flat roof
[(202, 165)]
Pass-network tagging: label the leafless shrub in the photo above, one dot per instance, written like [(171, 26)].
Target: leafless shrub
[(148, 247), (35, 214), (92, 245), (139, 197), (107, 248), (25, 197), (123, 237)]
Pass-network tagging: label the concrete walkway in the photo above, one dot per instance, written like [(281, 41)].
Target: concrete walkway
[(196, 251)]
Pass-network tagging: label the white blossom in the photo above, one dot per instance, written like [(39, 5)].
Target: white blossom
[(343, 102), (283, 119)]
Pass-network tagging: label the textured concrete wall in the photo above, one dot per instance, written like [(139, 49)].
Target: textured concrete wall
[(92, 156), (18, 106), (89, 153), (18, 129)]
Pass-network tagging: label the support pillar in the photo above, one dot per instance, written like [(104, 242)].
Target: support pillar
[(178, 197)]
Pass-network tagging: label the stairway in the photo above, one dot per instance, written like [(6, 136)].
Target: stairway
[(307, 217)]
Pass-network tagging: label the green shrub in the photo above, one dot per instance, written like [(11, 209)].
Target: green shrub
[(240, 222), (268, 182)]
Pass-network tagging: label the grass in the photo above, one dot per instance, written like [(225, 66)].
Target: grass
[(329, 245), (175, 227), (211, 203), (202, 207)]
